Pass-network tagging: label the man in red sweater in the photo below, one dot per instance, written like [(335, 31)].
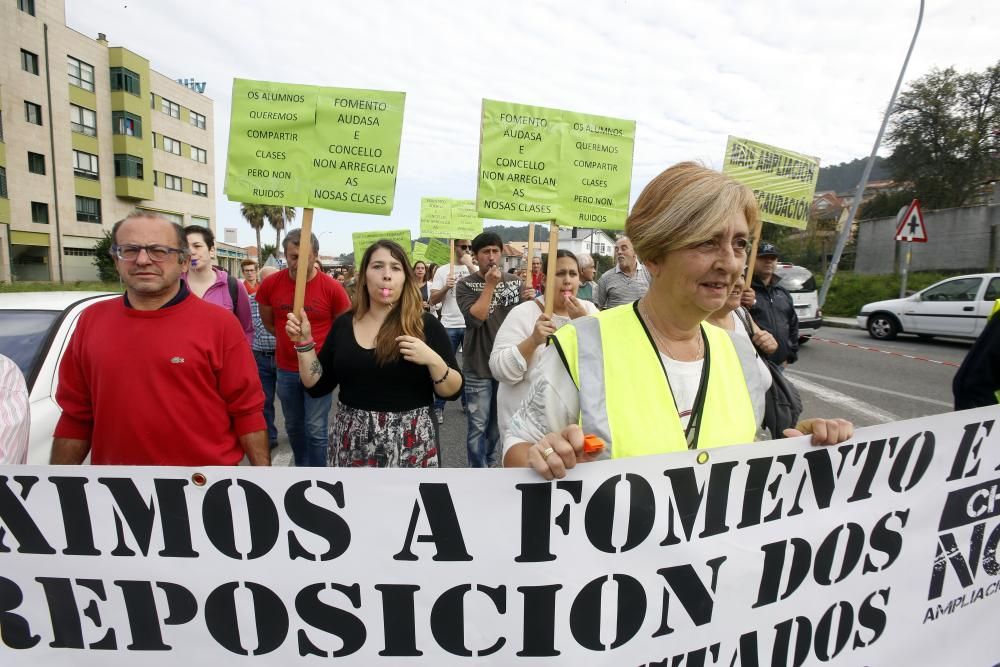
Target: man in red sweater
[(158, 377), (306, 418)]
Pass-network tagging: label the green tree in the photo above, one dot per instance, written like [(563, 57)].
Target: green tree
[(265, 252), (106, 271), (279, 217), (254, 215), (945, 134), (885, 204)]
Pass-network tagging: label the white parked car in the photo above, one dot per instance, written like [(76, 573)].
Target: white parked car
[(34, 330), (801, 284), (956, 307)]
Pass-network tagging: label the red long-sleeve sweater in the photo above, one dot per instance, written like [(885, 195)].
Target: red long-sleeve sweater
[(175, 386)]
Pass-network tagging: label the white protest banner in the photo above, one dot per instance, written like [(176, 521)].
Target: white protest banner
[(879, 551)]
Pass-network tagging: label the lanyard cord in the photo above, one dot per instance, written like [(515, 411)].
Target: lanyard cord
[(694, 421)]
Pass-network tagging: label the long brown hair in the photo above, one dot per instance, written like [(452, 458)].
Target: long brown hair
[(407, 315)]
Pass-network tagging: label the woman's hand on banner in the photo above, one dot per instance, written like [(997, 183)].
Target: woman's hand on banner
[(823, 431)]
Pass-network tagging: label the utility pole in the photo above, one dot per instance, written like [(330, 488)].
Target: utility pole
[(846, 229)]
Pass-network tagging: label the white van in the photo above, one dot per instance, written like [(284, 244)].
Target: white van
[(801, 284)]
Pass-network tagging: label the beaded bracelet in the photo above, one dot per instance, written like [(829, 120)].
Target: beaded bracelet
[(443, 377)]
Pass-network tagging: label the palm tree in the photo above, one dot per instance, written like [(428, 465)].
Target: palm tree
[(279, 216), (254, 214)]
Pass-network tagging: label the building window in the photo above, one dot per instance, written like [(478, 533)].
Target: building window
[(40, 212), (156, 177), (200, 189), (128, 166), (3, 182), (171, 182), (122, 122), (36, 163), (26, 6), (197, 120), (88, 209), (85, 165), (29, 62), (80, 73), (125, 79), (199, 154), (199, 221), (83, 120), (33, 112), (170, 108), (79, 252), (171, 145)]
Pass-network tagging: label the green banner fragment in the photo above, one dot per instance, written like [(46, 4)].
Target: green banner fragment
[(783, 181)]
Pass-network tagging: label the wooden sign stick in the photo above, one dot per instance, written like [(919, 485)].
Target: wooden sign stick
[(550, 274), (305, 252), (531, 248), (451, 257), (757, 230)]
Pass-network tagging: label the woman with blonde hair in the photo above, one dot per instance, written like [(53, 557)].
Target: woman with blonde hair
[(650, 377), (390, 359)]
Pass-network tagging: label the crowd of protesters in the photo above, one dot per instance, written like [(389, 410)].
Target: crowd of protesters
[(620, 357)]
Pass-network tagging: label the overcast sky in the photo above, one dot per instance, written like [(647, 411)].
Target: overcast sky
[(814, 77)]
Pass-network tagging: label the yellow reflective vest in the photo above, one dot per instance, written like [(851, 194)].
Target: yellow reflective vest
[(625, 396)]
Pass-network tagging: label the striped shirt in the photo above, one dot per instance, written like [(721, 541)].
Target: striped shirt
[(263, 341), (616, 287), (14, 414)]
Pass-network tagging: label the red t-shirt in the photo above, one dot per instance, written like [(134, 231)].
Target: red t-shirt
[(325, 300), (174, 386)]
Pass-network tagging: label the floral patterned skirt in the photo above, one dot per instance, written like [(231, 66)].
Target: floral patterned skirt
[(363, 438)]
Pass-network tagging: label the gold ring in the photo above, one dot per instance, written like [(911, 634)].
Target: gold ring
[(547, 452)]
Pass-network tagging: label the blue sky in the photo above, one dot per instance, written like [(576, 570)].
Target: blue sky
[(809, 76)]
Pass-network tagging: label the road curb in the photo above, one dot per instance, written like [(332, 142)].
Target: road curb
[(841, 323)]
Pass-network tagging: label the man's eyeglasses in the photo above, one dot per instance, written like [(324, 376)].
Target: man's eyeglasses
[(463, 247), (130, 253)]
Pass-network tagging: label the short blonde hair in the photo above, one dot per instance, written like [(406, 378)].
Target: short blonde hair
[(685, 205)]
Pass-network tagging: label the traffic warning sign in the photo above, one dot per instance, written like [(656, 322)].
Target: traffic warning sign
[(911, 225)]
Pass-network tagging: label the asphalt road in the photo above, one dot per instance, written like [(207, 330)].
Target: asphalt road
[(846, 373), (840, 373)]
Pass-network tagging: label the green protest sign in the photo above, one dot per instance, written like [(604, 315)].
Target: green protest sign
[(419, 252), (538, 164), (465, 220), (310, 146), (364, 240), (438, 252), (783, 181), (444, 218), (435, 217), (597, 171)]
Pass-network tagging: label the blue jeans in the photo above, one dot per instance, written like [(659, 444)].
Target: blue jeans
[(483, 441), (267, 371), (306, 420), (455, 336)]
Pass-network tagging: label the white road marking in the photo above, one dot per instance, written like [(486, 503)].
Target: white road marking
[(866, 387), (835, 397)]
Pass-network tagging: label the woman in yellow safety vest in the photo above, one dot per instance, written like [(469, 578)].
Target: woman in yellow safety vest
[(650, 377)]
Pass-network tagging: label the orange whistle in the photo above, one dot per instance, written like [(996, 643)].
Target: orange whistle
[(592, 444)]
